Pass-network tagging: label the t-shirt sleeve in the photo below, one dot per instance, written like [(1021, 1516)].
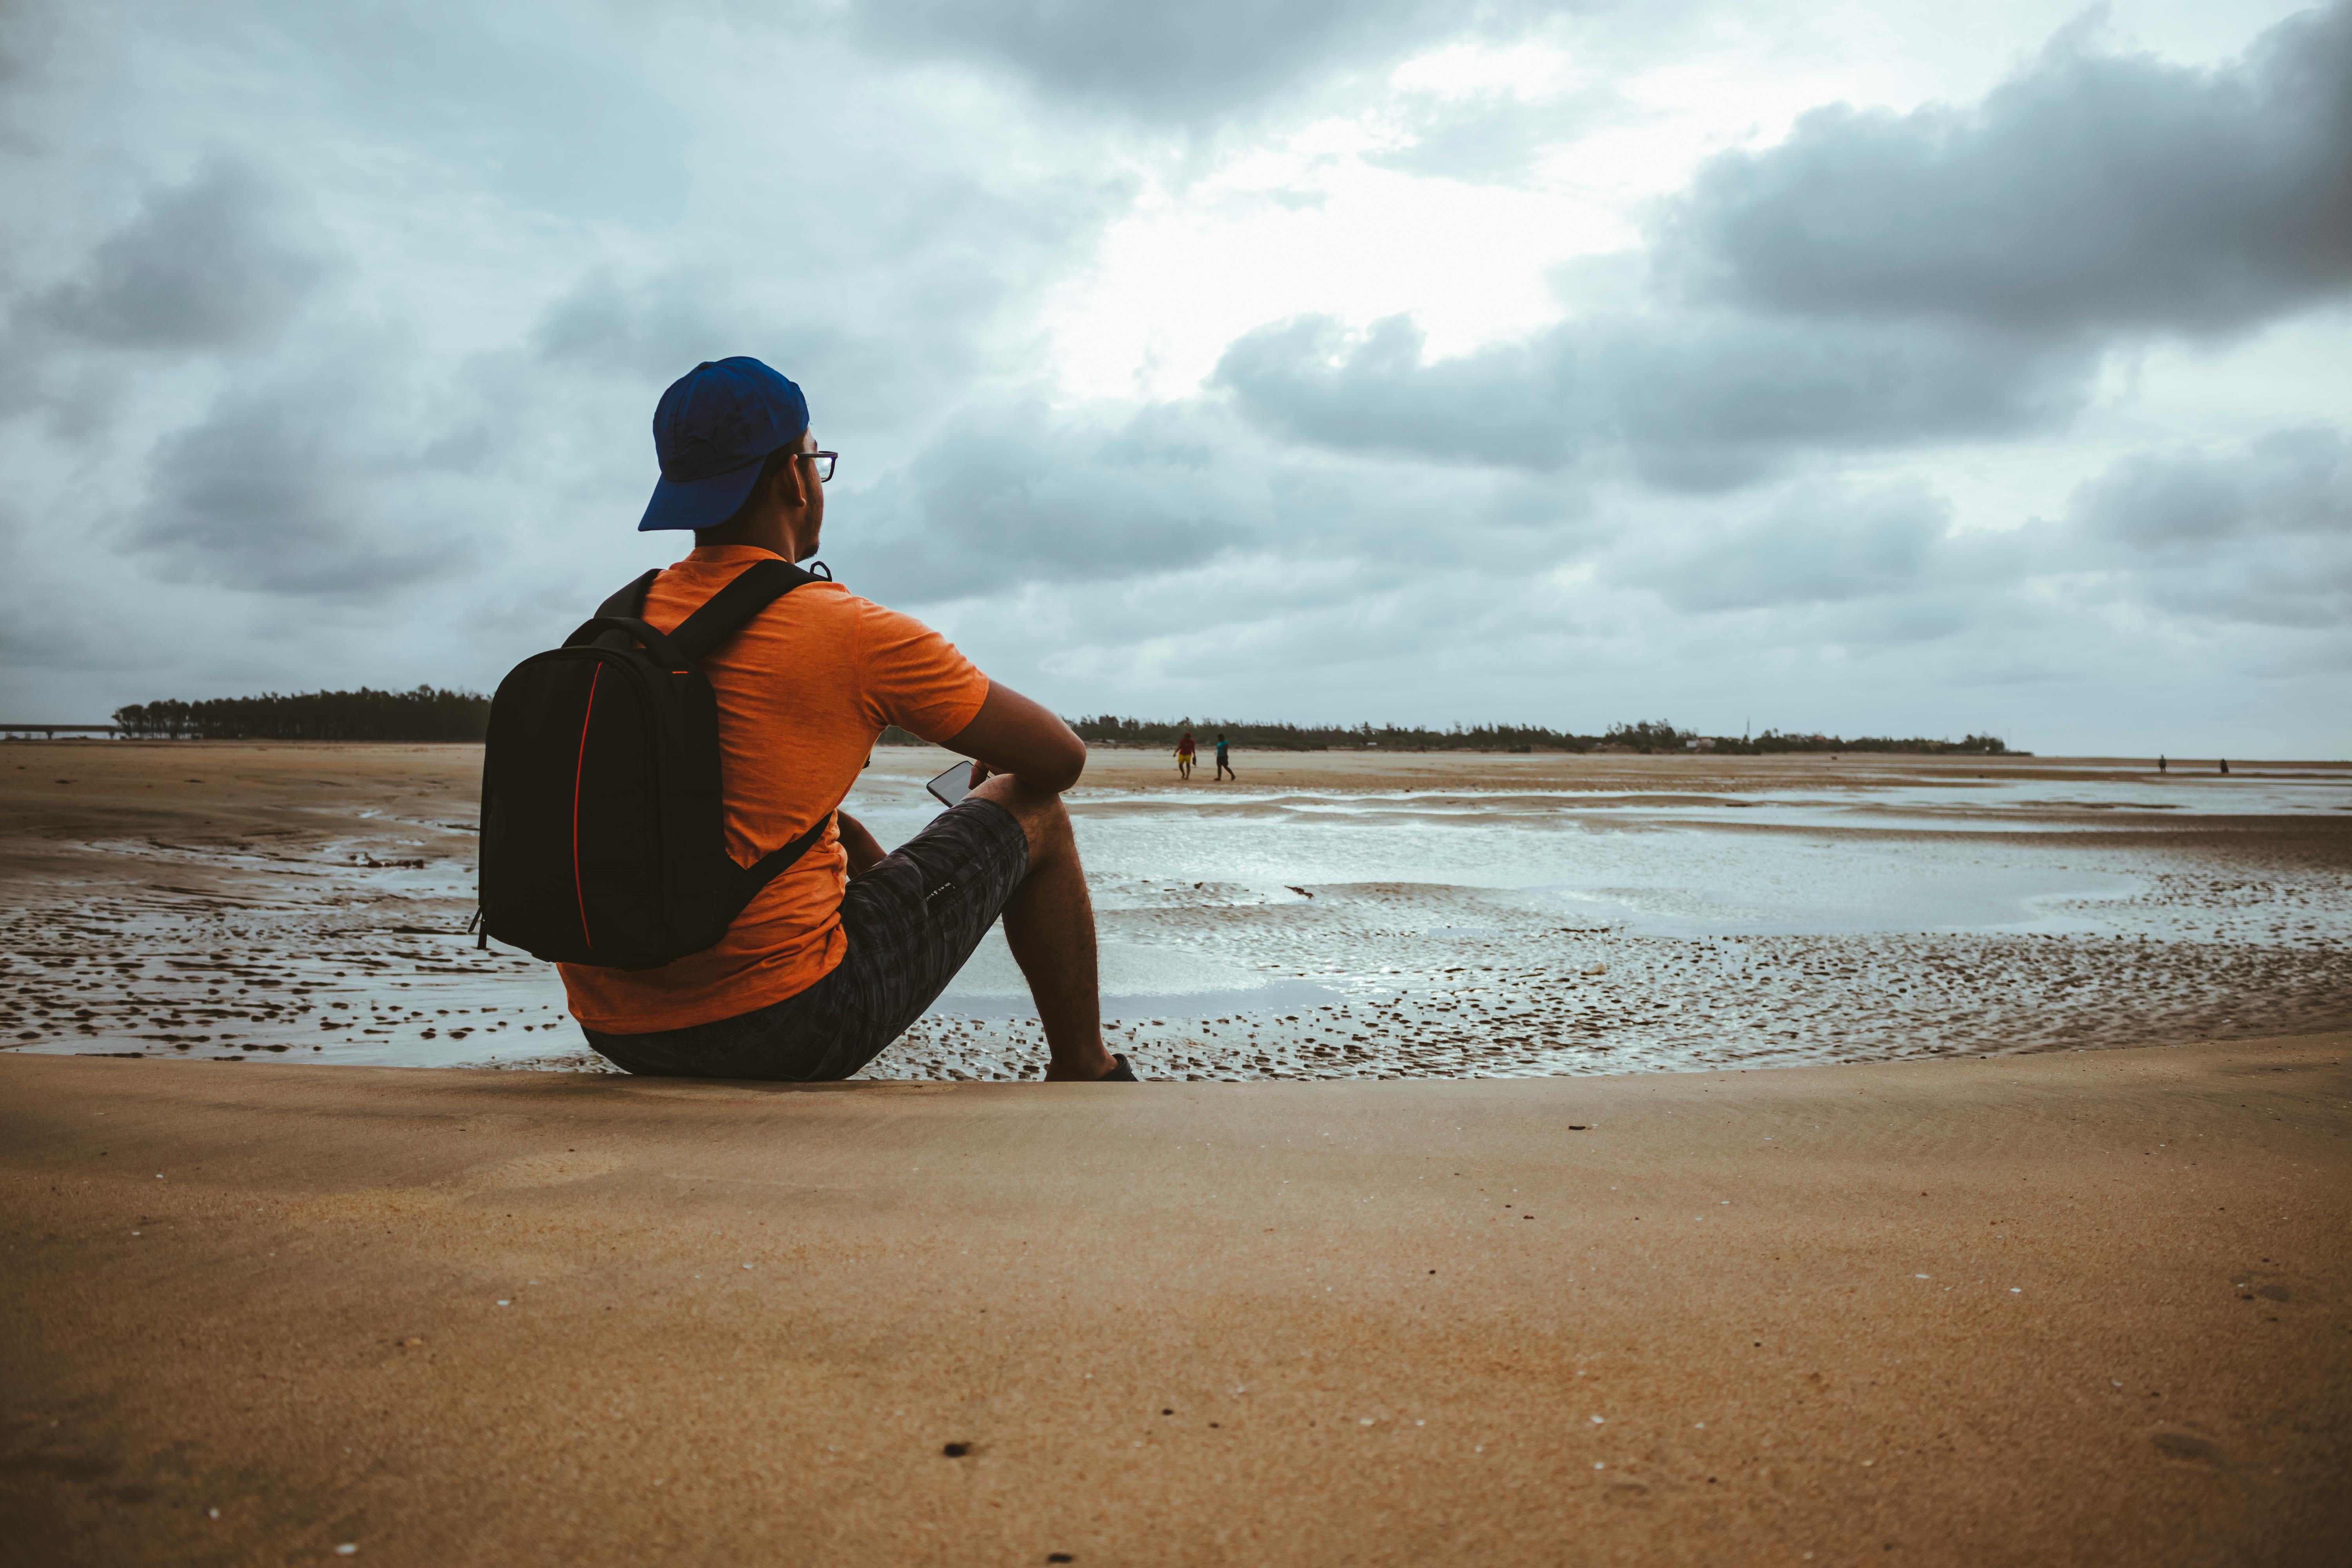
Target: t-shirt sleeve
[(915, 678)]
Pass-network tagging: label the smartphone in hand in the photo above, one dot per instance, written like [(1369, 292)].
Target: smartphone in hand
[(954, 784)]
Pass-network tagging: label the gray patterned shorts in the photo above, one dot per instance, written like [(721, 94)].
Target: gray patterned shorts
[(911, 921)]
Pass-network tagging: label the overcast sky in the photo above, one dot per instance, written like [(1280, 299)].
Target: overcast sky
[(1871, 367)]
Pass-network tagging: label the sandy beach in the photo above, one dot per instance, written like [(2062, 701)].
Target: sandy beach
[(2079, 1307), (1468, 1230)]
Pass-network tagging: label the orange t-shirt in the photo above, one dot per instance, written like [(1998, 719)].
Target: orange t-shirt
[(804, 690)]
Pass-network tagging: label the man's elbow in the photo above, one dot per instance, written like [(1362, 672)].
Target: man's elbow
[(1062, 765)]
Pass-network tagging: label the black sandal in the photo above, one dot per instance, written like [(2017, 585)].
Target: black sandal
[(1122, 1073)]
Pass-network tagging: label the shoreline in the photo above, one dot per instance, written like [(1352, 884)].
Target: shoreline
[(2131, 1347)]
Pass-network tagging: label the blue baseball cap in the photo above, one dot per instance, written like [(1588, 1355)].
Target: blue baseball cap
[(712, 429)]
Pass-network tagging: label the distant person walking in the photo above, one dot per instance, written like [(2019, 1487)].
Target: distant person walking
[(2160, 767), (1185, 752), (2225, 764), (1224, 765)]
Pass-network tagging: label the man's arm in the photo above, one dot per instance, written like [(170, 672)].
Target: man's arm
[(1010, 734)]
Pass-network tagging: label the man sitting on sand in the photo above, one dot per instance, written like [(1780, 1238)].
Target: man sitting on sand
[(838, 956)]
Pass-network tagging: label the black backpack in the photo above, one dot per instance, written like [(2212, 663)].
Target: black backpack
[(601, 836)]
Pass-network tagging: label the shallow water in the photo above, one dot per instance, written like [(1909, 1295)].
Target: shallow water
[(1944, 806), (1285, 931), (1326, 930)]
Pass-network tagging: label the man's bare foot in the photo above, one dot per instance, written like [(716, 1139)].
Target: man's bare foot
[(1089, 1071)]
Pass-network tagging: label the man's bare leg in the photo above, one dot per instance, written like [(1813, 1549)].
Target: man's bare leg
[(1049, 923)]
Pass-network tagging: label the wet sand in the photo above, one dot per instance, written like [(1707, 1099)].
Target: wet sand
[(2079, 1307), (1334, 915)]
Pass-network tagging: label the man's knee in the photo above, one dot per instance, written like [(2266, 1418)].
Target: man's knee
[(1041, 813)]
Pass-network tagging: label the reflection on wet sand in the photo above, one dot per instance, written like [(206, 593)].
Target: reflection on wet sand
[(1344, 916), (221, 902)]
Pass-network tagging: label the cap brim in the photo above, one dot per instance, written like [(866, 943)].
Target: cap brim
[(698, 503)]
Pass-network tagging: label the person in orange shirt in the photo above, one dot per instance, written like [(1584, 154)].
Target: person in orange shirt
[(837, 956)]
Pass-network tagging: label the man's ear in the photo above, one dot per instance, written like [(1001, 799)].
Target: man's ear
[(790, 493)]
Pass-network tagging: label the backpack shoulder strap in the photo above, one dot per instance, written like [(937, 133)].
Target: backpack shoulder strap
[(627, 603), (630, 599), (754, 589), (748, 880)]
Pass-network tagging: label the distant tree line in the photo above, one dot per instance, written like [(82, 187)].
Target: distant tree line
[(1646, 736), (1108, 731), (1772, 741), (430, 714), (423, 714)]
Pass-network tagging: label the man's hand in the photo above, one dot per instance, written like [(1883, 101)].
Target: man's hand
[(1010, 734)]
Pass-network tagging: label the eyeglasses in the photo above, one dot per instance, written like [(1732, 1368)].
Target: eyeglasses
[(824, 461)]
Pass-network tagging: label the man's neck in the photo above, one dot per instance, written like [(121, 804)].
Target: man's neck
[(770, 533)]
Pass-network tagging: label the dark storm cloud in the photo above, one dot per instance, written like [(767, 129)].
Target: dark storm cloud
[(2262, 534), (297, 488), (1692, 399), (450, 399), (1179, 62), (42, 631), (864, 362), (1005, 498), (2257, 536), (635, 327), (1819, 545), (1007, 495), (2109, 191), (204, 269), (208, 264), (2289, 482), (1308, 379), (1883, 280)]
